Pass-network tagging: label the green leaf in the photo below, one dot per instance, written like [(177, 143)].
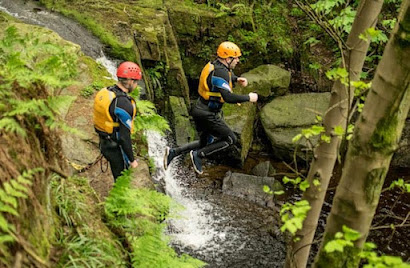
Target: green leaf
[(339, 131), (4, 225), (325, 138), (304, 185), (350, 234), (266, 189), (5, 239), (279, 192), (297, 138), (316, 182), (8, 209), (11, 191), (334, 245), (8, 198)]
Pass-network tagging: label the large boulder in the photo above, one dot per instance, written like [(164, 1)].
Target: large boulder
[(285, 117), (240, 118), (268, 80), (184, 132), (250, 187)]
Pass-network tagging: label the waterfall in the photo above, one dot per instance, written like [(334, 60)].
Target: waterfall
[(193, 225)]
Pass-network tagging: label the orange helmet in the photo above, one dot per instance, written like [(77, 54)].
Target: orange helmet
[(130, 70), (228, 49)]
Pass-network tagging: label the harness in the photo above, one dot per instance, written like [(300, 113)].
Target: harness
[(212, 95), (103, 122)]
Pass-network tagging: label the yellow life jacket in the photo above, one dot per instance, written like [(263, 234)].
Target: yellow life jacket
[(203, 88), (103, 120)]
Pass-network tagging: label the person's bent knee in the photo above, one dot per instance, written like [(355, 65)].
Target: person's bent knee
[(231, 139)]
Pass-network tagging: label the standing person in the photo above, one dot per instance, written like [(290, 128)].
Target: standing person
[(114, 113), (215, 88)]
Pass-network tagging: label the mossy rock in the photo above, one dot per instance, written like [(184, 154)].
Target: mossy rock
[(285, 117), (184, 132), (268, 80), (241, 118)]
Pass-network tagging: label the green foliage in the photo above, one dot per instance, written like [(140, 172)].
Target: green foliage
[(375, 261), (340, 74), (268, 190), (148, 119), (308, 133), (374, 35), (10, 192), (138, 212), (91, 89), (43, 65), (401, 184), (303, 185), (81, 239), (342, 240), (348, 236), (156, 76), (293, 215)]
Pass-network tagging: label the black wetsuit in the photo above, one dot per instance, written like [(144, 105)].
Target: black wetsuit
[(215, 135), (117, 147)]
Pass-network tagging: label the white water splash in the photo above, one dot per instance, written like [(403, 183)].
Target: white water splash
[(110, 65), (193, 226)]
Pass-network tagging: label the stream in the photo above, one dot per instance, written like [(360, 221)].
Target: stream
[(222, 230)]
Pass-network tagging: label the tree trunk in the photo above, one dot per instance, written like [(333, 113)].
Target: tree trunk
[(325, 154), (375, 139)]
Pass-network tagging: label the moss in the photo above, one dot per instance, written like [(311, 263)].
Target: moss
[(373, 185), (97, 72), (384, 137)]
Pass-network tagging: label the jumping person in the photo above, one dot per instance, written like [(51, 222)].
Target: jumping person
[(215, 88), (114, 113)]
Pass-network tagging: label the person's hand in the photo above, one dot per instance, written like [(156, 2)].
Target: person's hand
[(134, 164), (253, 97), (243, 81)]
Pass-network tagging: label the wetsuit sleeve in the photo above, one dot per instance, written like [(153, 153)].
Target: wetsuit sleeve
[(233, 98), (234, 78), (220, 80), (123, 111)]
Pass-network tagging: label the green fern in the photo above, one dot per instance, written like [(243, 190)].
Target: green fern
[(9, 194), (148, 119), (44, 65), (139, 212)]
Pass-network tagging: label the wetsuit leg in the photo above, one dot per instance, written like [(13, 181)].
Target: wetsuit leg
[(112, 152), (214, 125), (187, 147)]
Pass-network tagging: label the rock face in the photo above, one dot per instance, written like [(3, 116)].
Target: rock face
[(251, 187), (285, 117), (184, 132)]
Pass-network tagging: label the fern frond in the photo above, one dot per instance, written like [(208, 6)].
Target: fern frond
[(10, 125), (8, 209), (7, 198), (13, 192)]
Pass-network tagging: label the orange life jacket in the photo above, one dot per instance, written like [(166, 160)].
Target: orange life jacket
[(103, 120)]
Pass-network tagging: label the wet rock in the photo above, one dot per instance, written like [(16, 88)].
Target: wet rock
[(268, 80), (184, 132), (250, 187), (264, 169), (285, 117)]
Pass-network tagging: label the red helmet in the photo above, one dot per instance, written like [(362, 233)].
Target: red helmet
[(130, 70)]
